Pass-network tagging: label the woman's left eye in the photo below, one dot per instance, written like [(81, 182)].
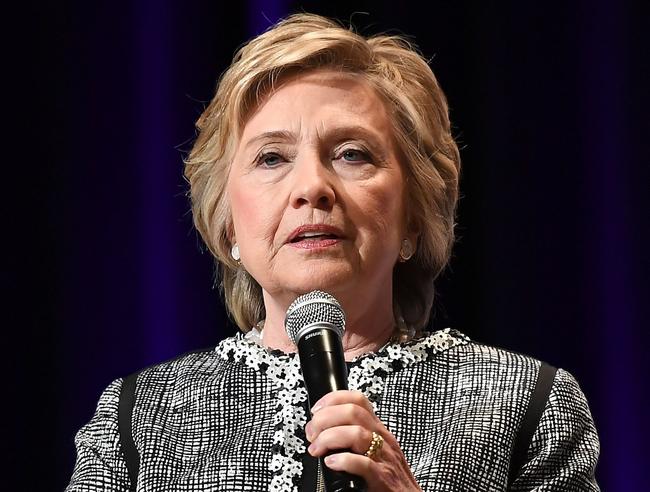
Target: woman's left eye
[(269, 159), (355, 155)]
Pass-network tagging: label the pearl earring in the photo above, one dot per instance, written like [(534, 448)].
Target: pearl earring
[(234, 252), (406, 251)]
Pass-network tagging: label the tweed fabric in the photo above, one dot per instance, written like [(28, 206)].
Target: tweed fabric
[(232, 419)]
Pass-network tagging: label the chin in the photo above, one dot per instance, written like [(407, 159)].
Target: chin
[(326, 279)]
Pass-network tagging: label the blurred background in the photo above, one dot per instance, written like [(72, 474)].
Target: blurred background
[(105, 273)]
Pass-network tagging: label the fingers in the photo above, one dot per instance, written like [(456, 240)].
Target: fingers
[(388, 474), (346, 414), (342, 420), (343, 423), (355, 464), (343, 396), (352, 437)]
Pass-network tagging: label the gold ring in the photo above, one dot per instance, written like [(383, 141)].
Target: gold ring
[(375, 445)]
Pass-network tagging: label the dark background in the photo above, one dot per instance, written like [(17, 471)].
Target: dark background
[(106, 274)]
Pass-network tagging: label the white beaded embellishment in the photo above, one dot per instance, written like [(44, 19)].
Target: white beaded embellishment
[(367, 375)]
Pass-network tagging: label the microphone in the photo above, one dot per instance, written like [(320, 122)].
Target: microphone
[(315, 323)]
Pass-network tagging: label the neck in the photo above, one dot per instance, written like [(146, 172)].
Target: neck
[(367, 329)]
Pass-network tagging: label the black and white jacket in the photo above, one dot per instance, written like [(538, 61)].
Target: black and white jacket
[(232, 419)]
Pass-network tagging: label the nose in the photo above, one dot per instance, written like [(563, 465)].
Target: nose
[(312, 184)]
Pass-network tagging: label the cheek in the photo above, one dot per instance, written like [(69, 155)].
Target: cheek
[(242, 208), (255, 217), (382, 213)]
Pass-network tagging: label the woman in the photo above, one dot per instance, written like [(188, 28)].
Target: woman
[(325, 161)]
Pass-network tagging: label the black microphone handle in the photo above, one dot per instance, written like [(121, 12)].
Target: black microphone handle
[(324, 370)]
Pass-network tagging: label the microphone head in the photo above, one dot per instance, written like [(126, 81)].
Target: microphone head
[(316, 307)]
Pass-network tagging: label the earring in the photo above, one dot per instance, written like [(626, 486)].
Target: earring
[(234, 252), (406, 251)]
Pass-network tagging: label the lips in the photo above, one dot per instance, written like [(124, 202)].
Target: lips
[(315, 234)]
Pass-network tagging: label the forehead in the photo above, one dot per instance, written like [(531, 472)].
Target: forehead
[(321, 98)]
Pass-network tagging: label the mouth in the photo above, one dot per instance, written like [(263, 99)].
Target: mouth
[(315, 235)]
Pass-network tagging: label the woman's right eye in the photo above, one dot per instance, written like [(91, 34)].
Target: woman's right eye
[(269, 159)]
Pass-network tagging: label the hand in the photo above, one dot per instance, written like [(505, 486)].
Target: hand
[(346, 420)]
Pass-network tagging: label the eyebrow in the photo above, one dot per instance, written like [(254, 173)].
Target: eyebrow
[(272, 135), (354, 131), (336, 134)]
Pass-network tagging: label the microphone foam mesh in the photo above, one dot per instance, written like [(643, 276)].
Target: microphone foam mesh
[(315, 307)]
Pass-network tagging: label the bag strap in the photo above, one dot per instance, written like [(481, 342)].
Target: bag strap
[(531, 419), (124, 415)]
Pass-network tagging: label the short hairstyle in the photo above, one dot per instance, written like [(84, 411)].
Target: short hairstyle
[(419, 112)]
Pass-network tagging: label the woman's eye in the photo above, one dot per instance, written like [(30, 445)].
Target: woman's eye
[(269, 160), (354, 155)]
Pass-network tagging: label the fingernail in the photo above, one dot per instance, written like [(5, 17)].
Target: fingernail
[(308, 432), (331, 460), (316, 408), (311, 449)]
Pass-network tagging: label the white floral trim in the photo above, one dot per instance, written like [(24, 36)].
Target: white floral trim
[(368, 375), (290, 417), (369, 371)]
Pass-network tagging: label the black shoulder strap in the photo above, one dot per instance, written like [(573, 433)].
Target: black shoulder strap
[(125, 412), (533, 414)]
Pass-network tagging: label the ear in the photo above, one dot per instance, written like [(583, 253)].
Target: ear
[(412, 232), (413, 237)]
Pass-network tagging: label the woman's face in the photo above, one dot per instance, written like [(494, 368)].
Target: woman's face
[(317, 192)]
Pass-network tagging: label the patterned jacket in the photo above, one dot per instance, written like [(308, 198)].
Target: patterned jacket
[(232, 419)]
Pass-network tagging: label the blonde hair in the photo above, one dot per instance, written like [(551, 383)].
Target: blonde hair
[(419, 112)]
